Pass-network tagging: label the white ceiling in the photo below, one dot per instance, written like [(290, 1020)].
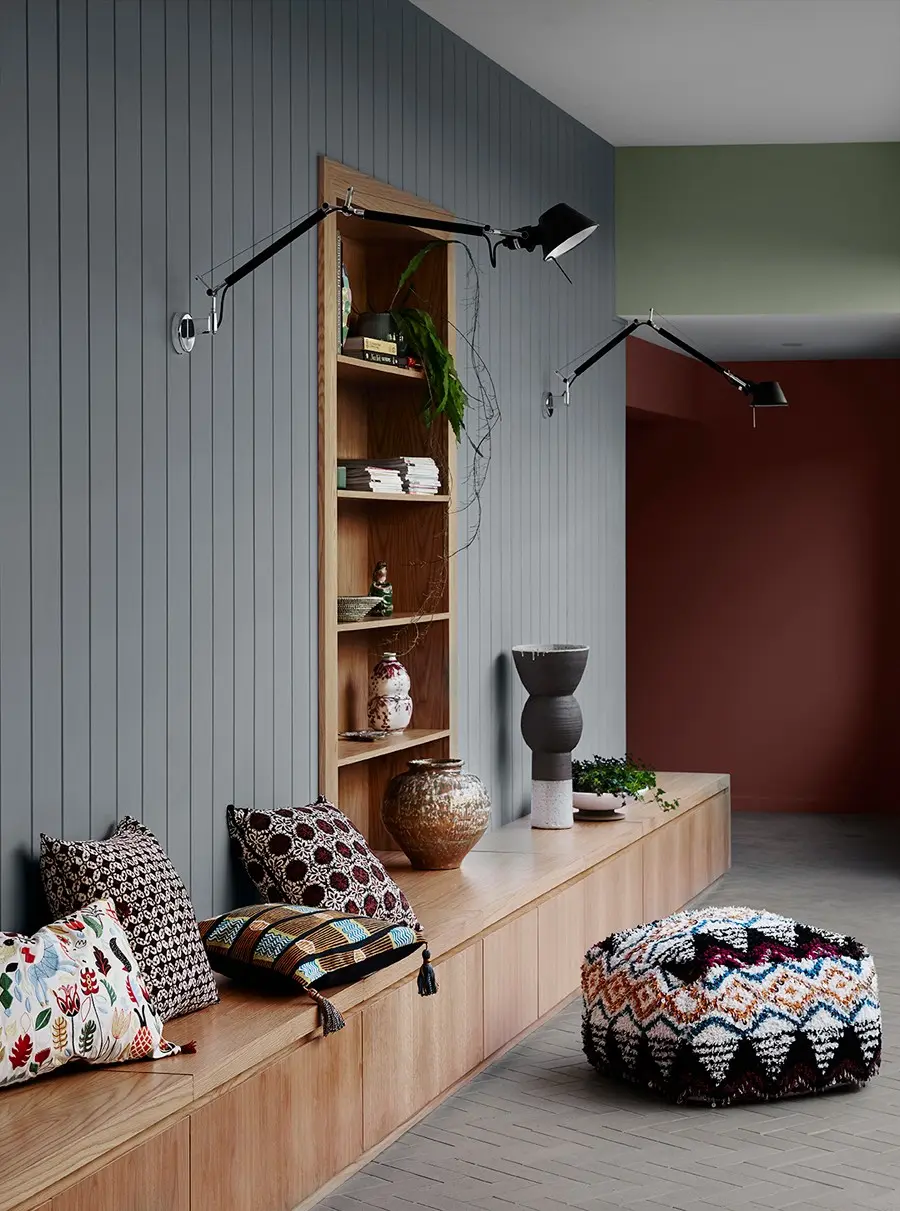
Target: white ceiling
[(749, 338), (653, 72)]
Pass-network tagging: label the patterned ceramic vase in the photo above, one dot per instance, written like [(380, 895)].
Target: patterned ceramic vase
[(390, 706), (436, 812)]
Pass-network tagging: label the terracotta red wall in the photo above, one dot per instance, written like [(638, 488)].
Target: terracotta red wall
[(763, 583)]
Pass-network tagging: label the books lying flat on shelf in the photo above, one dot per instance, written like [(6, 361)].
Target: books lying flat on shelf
[(382, 359), (419, 476), (365, 476), (368, 344)]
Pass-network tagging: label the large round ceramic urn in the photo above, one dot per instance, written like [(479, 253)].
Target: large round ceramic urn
[(436, 812)]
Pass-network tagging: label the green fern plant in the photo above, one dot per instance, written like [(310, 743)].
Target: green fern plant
[(446, 394)]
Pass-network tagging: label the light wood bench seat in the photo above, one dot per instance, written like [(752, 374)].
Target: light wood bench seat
[(267, 1112), (62, 1125)]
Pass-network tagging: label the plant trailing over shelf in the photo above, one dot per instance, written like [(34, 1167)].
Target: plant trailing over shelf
[(446, 394), (618, 776), (473, 411)]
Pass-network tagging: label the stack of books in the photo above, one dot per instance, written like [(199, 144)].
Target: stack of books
[(366, 476), (371, 349), (420, 476), (417, 476)]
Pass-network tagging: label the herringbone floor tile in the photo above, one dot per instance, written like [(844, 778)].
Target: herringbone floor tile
[(540, 1130)]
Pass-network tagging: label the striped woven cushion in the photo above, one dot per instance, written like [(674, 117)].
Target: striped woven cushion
[(283, 944)]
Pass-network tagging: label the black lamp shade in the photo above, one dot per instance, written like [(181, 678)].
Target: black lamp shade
[(767, 395), (559, 230)]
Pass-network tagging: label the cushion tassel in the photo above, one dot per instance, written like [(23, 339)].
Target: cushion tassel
[(330, 1018), (426, 979), (188, 1048)]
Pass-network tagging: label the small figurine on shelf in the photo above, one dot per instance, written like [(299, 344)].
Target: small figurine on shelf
[(382, 587)]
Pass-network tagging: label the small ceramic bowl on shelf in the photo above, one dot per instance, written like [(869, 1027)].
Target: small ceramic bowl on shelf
[(352, 609)]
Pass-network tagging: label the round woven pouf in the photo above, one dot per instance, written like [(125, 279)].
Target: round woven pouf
[(724, 1005)]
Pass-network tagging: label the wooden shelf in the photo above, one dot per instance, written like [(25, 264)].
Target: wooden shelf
[(406, 498), (372, 411), (358, 368), (395, 621), (352, 751)]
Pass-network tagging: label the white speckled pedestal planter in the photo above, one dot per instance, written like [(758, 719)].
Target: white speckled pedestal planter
[(551, 804), (551, 725)]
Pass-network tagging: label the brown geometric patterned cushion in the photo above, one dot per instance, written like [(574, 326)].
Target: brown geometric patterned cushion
[(133, 870), (313, 856)]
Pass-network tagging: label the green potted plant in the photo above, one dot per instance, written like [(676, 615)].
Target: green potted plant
[(606, 784), (415, 327)]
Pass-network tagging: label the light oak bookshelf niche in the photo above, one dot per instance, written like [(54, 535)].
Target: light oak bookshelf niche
[(368, 410)]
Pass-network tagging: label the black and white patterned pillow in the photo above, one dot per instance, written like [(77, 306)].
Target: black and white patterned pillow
[(132, 869), (314, 857)]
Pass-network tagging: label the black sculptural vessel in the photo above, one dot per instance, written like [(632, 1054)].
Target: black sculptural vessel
[(551, 725)]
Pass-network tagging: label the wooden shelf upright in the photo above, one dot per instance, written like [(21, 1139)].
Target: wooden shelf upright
[(374, 411)]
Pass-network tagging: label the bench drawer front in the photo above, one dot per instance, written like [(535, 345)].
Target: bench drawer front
[(153, 1176), (271, 1141), (609, 898), (510, 980), (684, 857), (416, 1047)]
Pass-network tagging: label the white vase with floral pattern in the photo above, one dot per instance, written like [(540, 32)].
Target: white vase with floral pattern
[(390, 706)]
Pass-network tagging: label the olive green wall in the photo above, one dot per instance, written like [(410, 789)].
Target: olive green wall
[(758, 230)]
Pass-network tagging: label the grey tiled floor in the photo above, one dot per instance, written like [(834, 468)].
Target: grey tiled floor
[(540, 1130)]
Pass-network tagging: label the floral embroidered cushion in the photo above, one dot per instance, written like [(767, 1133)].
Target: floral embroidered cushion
[(284, 946), (313, 856), (132, 869), (73, 991)]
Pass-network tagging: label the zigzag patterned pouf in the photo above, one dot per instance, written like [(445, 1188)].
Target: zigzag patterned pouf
[(725, 1005)]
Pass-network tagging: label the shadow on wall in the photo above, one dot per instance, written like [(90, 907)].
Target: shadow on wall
[(763, 587), (501, 693)]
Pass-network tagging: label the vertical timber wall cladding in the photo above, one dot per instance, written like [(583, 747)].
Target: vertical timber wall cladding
[(157, 513)]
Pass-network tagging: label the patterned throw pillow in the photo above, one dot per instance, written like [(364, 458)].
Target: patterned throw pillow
[(133, 870), (73, 991), (285, 945), (315, 857)]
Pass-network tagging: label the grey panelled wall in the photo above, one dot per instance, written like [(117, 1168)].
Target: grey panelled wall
[(157, 513)]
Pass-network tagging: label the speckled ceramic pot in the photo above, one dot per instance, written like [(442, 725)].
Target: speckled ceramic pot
[(390, 706), (436, 812)]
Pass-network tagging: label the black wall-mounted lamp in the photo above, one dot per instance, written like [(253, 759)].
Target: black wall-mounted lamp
[(761, 395), (557, 231)]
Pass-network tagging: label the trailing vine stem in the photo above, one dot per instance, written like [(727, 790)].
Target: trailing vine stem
[(479, 402), (480, 419)]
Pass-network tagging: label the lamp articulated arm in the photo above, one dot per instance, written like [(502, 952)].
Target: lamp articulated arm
[(558, 230), (762, 395), (741, 383), (620, 336)]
